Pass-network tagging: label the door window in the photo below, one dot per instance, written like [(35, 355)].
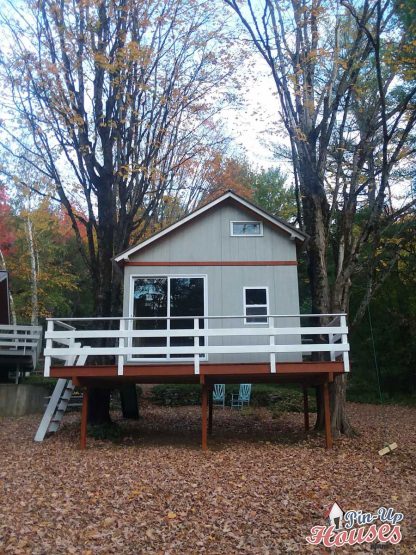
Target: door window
[(168, 297)]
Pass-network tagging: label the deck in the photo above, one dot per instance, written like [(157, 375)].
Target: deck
[(106, 352), (185, 347), (20, 347)]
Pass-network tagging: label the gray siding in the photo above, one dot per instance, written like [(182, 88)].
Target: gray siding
[(208, 239)]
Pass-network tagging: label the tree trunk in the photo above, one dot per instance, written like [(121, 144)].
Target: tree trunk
[(99, 398), (315, 222), (99, 410), (33, 274), (105, 241), (129, 401), (12, 306), (340, 422), (324, 301)]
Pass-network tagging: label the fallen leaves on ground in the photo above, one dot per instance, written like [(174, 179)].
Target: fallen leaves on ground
[(259, 488)]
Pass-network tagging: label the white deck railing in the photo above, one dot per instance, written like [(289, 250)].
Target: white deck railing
[(20, 341), (64, 340)]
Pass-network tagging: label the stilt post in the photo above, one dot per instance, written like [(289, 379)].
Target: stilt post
[(84, 418), (204, 408), (327, 416), (306, 408), (210, 407)]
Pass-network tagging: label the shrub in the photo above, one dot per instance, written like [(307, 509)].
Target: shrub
[(48, 383), (262, 395), (176, 394)]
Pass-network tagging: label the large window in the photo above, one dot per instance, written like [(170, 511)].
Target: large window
[(246, 229), (256, 305), (162, 297)]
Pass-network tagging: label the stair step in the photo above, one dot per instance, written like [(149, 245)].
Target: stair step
[(56, 409)]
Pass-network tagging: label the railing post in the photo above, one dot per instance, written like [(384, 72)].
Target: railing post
[(344, 341), (121, 343), (196, 344), (17, 339), (272, 342), (331, 341), (47, 368)]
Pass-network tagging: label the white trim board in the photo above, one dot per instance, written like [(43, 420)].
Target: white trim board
[(294, 233)]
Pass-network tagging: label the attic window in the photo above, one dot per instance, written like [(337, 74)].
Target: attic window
[(246, 229)]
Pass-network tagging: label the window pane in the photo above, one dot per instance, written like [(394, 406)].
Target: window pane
[(150, 300), (252, 310), (256, 296), (186, 299), (246, 228), (150, 297)]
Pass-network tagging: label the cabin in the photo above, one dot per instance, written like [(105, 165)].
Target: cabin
[(213, 298)]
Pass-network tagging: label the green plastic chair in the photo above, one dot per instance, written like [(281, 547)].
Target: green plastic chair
[(242, 398), (218, 395)]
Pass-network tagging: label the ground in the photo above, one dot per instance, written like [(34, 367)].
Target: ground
[(259, 488)]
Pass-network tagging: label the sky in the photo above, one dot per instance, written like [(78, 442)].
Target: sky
[(254, 126)]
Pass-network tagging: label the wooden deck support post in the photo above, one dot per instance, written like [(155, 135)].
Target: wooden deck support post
[(204, 416), (210, 409), (306, 408), (84, 418), (327, 417)]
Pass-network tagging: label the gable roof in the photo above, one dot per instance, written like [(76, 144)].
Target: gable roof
[(334, 506), (294, 233)]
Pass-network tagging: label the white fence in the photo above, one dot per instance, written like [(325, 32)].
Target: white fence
[(64, 340), (18, 341)]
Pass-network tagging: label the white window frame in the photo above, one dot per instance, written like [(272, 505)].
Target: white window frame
[(255, 305), (168, 359), (232, 222)]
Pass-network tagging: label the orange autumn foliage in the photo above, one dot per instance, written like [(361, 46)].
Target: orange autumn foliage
[(224, 174)]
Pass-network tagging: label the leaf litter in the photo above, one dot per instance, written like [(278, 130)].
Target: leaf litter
[(259, 489)]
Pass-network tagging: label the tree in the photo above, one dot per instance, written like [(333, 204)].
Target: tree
[(222, 173), (112, 99), (394, 301), (6, 239), (116, 96), (42, 259), (6, 232), (271, 193), (319, 54)]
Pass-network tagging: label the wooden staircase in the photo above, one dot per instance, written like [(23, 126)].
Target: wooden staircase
[(59, 400)]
